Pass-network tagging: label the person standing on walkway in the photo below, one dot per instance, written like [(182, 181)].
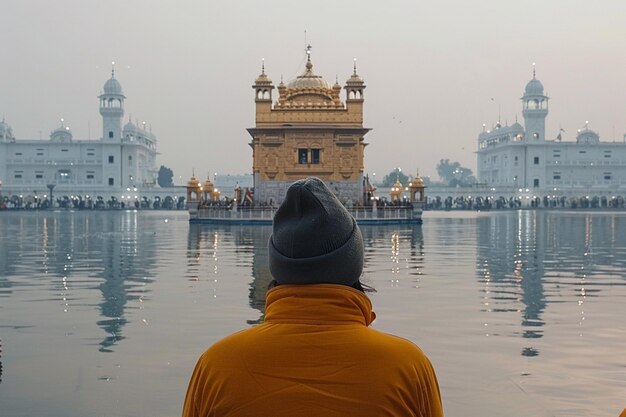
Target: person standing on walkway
[(314, 354)]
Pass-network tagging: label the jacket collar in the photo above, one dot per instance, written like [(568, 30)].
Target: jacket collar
[(318, 304)]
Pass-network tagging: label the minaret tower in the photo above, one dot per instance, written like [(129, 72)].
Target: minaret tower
[(263, 92), (354, 95), (535, 110), (112, 109)]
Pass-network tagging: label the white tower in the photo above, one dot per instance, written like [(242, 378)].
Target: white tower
[(112, 109), (535, 110)]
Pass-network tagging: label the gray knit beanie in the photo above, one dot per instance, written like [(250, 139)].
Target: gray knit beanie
[(315, 240)]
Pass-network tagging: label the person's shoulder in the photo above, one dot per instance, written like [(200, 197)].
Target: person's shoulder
[(394, 342), (229, 344)]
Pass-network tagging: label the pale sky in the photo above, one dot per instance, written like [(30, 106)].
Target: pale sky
[(431, 69)]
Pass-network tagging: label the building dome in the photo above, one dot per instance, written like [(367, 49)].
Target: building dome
[(587, 136), (396, 190), (417, 182), (517, 127), (61, 134), (208, 185), (263, 79), (534, 88), (130, 126), (193, 182), (354, 79), (309, 91), (308, 80), (112, 86), (62, 129)]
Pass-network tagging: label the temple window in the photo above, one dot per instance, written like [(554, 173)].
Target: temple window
[(315, 156), (303, 156)]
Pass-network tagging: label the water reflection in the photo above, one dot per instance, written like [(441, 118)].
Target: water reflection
[(205, 242), (549, 285), (128, 258), (530, 259), (73, 252), (249, 249)]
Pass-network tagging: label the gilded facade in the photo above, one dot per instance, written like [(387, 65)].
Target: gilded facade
[(308, 131)]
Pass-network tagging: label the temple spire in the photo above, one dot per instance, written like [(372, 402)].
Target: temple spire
[(309, 64)]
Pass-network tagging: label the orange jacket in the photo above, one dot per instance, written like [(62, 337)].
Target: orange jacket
[(313, 356)]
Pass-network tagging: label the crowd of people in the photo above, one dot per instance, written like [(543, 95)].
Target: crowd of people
[(88, 203)]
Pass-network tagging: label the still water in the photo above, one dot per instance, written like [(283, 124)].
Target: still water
[(104, 314)]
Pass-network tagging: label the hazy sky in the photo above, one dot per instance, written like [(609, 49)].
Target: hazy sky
[(431, 69)]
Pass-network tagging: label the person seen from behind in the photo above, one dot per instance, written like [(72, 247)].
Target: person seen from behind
[(314, 354)]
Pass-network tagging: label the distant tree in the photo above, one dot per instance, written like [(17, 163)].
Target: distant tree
[(453, 174), (427, 181), (394, 175), (165, 177)]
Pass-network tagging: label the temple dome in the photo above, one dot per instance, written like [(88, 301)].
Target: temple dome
[(587, 136), (417, 182), (208, 185), (308, 80), (263, 78), (517, 127), (534, 88), (130, 126), (112, 86), (61, 134), (193, 182)]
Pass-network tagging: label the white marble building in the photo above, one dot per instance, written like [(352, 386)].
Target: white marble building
[(122, 163), (522, 160)]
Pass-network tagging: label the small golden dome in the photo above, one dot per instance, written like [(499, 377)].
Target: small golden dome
[(417, 182), (263, 79), (396, 189), (354, 78), (208, 185), (193, 182)]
